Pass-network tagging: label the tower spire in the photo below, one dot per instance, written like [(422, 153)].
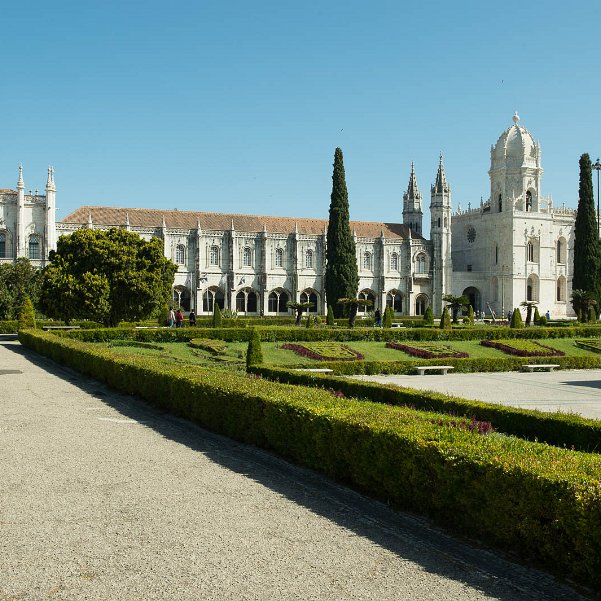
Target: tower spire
[(441, 186), (20, 183), (412, 204)]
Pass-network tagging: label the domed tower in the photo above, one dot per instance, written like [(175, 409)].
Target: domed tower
[(440, 234), (412, 205), (515, 171)]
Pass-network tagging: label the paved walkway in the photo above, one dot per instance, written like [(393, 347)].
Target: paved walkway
[(569, 391), (101, 497)]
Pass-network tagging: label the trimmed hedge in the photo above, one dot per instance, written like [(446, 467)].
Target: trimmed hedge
[(539, 501), (558, 429)]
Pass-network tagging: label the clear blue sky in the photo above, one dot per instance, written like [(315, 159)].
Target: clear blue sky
[(238, 106)]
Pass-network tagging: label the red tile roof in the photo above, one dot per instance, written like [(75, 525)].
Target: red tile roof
[(113, 216)]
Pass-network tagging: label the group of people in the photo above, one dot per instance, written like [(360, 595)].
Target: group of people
[(176, 318)]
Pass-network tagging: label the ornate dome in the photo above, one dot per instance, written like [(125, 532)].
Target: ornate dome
[(515, 144)]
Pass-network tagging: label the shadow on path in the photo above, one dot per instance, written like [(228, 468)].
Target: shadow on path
[(409, 537)]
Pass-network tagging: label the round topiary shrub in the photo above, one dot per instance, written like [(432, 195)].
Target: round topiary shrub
[(445, 320)]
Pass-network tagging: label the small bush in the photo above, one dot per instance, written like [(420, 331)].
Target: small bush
[(516, 320), (445, 320), (217, 316), (254, 354), (330, 317), (428, 317), (388, 317), (26, 315)]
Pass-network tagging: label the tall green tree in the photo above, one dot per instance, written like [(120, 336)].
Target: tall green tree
[(587, 252), (342, 275), (18, 280), (106, 276)]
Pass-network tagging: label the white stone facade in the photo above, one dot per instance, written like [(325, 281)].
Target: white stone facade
[(514, 247)]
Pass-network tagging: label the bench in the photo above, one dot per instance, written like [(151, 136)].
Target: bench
[(546, 367), (397, 325), (422, 369), (46, 328), (323, 370)]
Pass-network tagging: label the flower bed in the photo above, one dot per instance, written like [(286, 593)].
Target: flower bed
[(427, 350), (589, 345), (523, 348), (324, 351)]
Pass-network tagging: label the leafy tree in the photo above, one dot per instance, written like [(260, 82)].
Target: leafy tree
[(445, 320), (428, 317), (26, 315), (299, 308), (254, 353), (456, 303), (216, 316), (330, 316), (388, 317), (106, 276), (516, 319), (341, 276), (587, 253), (582, 301), (17, 281), (354, 304)]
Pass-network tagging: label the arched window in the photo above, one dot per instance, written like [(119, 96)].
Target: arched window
[(420, 263), (561, 251), (180, 254), (528, 201), (214, 255), (309, 259), (561, 289), (500, 203), (309, 296), (247, 257), (394, 299), (496, 254), (2, 245), (211, 297), (246, 301), (394, 262), (366, 260), (34, 247), (439, 222), (277, 301), (279, 257)]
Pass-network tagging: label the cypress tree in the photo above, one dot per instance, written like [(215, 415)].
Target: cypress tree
[(342, 276), (26, 314), (536, 317), (330, 317), (587, 254), (217, 316), (254, 353), (445, 320), (388, 317), (428, 317)]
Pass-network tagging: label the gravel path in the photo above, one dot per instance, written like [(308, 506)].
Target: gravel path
[(104, 498)]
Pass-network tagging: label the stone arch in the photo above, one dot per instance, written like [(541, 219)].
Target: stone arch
[(421, 262), (561, 289), (474, 296), (246, 301), (366, 294), (561, 248), (34, 247), (422, 302), (181, 297), (277, 301), (310, 295), (5, 244), (395, 299), (212, 296)]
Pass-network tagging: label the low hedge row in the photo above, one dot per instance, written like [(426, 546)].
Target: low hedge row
[(11, 326), (539, 501), (558, 429), (281, 334)]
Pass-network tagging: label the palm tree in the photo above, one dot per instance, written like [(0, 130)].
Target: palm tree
[(456, 303), (354, 304), (529, 307), (299, 307), (582, 301)]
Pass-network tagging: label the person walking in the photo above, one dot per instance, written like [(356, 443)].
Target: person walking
[(377, 319), (170, 318), (179, 318), (192, 318)]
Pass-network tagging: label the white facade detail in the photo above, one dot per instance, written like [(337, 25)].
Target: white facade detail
[(511, 248)]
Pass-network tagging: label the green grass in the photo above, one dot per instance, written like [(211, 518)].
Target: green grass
[(235, 352)]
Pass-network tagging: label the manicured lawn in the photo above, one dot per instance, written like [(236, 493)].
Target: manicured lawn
[(234, 357)]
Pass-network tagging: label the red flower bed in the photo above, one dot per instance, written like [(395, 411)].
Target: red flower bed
[(424, 353), (537, 349), (303, 351)]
